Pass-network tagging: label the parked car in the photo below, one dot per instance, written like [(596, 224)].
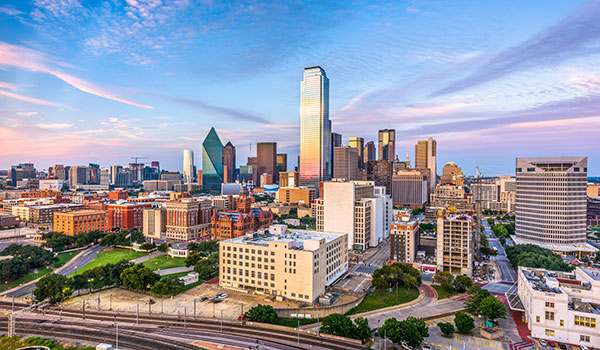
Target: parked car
[(223, 296), (543, 342), (583, 347), (552, 344), (203, 298), (216, 301), (562, 346), (241, 317), (426, 347)]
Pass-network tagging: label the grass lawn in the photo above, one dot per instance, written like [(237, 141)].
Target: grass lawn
[(26, 278), (178, 274), (442, 294), (164, 262), (379, 300), (112, 256), (64, 257)]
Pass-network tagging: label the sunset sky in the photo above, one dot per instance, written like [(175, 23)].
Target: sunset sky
[(102, 81)]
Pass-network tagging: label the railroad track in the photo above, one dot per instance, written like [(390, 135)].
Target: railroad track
[(278, 338), (127, 338)]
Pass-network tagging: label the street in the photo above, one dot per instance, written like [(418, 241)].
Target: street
[(508, 276)]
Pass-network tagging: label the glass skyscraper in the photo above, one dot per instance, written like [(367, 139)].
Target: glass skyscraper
[(212, 161), (315, 128), (188, 166)]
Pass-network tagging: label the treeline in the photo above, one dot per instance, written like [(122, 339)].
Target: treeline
[(204, 256), (59, 242), (57, 288), (18, 342), (530, 255), (503, 231), (123, 238), (389, 276), (24, 258)]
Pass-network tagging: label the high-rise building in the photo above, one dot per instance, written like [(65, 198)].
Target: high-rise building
[(59, 172), (409, 188), (315, 128), (281, 162), (188, 166), (137, 172), (359, 144), (289, 179), (455, 244), (254, 175), (78, 175), (551, 203), (156, 165), (266, 158), (104, 176), (229, 163), (336, 141), (425, 158), (94, 170), (370, 152), (212, 161), (380, 171), (114, 172), (245, 173), (345, 165), (404, 241), (155, 220), (387, 144), (452, 175)]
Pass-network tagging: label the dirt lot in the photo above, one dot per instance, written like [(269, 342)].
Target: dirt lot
[(118, 299)]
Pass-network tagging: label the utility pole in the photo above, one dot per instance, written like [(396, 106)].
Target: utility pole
[(117, 336), (213, 310), (221, 321), (479, 178), (185, 316), (83, 310), (137, 314), (298, 331), (195, 299)]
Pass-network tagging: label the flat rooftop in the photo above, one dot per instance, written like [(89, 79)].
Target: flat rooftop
[(574, 247), (291, 235), (591, 273)]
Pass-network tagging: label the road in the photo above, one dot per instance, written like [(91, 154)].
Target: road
[(152, 255), (508, 276), (70, 267)]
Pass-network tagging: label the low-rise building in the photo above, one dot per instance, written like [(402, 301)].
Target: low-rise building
[(8, 221), (74, 222), (292, 264), (455, 243), (560, 306), (178, 250), (299, 195)]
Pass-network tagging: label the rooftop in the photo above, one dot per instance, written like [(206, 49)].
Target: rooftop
[(263, 237)]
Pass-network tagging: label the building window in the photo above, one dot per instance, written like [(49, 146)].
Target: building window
[(562, 323), (584, 338), (549, 304), (550, 332), (537, 318), (549, 315), (585, 321)]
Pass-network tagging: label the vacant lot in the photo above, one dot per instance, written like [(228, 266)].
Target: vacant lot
[(112, 256)]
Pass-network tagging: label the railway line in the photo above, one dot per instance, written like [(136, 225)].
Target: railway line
[(201, 329)]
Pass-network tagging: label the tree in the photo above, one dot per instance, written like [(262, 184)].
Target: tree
[(52, 287), (461, 283), (492, 308), (472, 304), (447, 328), (530, 255), (147, 246), (138, 277), (490, 221), (193, 258), (445, 279), (262, 313), (338, 324), (362, 331), (597, 258), (412, 331), (167, 287), (13, 269), (207, 268), (410, 282), (379, 283), (464, 323), (162, 248)]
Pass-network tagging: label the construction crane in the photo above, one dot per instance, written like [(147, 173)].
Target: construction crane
[(136, 159)]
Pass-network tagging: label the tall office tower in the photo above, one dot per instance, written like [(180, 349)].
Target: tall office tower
[(104, 176), (381, 171), (387, 144), (266, 158), (551, 203), (78, 175), (59, 172), (315, 128), (425, 158), (229, 163), (254, 176), (336, 141), (156, 165), (452, 174), (94, 173), (345, 165), (212, 161), (370, 152), (455, 244), (359, 144), (409, 188), (114, 172), (137, 172), (281, 162), (188, 166)]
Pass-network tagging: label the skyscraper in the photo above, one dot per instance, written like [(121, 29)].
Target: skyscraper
[(425, 158), (212, 161), (387, 144), (345, 165), (114, 173), (315, 127), (229, 163), (370, 152), (266, 158), (281, 162), (452, 174), (551, 203), (336, 141), (188, 166), (359, 144)]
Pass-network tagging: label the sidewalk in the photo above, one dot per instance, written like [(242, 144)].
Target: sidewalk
[(147, 257)]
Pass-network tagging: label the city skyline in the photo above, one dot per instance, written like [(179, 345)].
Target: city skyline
[(76, 87)]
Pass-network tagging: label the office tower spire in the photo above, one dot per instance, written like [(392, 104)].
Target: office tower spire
[(315, 127)]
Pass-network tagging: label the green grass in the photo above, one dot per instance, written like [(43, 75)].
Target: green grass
[(110, 257), (26, 278), (379, 300), (178, 274), (293, 322), (164, 262), (64, 257), (442, 293)]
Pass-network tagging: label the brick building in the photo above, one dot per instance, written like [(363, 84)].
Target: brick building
[(74, 222), (188, 219), (126, 216)]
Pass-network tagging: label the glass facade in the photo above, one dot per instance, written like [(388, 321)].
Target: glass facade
[(315, 128), (188, 166), (212, 161)]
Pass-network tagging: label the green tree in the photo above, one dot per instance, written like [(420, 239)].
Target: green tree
[(379, 283), (13, 269), (167, 287), (472, 304), (447, 328), (445, 279), (464, 323), (53, 287), (362, 329), (139, 277), (208, 268), (490, 221), (162, 248), (147, 246), (193, 258), (492, 308), (410, 282), (338, 324), (262, 313), (461, 283)]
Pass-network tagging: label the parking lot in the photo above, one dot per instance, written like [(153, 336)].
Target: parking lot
[(458, 341), (356, 283)]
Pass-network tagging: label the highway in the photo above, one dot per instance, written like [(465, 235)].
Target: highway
[(70, 267)]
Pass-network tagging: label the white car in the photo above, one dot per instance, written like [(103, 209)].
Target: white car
[(583, 347), (223, 296)]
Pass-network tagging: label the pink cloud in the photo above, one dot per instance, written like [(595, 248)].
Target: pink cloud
[(9, 86), (28, 99), (22, 57)]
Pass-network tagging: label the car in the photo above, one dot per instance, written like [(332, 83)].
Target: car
[(203, 298), (543, 342), (241, 317), (426, 347), (562, 346), (551, 344), (223, 296), (583, 347), (216, 301)]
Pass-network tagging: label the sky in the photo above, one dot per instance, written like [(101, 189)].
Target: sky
[(102, 81)]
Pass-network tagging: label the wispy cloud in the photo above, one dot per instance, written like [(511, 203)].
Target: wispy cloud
[(9, 86), (22, 57), (33, 100), (573, 36), (54, 125), (10, 11)]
